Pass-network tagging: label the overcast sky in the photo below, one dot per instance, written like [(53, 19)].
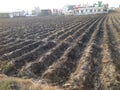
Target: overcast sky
[(11, 5)]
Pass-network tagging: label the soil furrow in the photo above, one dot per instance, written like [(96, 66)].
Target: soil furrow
[(31, 56), (58, 74), (53, 55), (14, 47), (23, 50), (110, 63), (86, 76)]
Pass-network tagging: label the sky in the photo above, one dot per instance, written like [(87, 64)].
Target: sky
[(12, 5)]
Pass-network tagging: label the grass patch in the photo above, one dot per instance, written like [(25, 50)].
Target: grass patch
[(12, 83), (8, 84), (7, 67)]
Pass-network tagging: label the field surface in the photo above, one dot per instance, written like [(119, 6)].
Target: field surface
[(72, 52)]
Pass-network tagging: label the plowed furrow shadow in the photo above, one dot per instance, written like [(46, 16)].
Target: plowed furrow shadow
[(23, 50), (54, 54), (14, 47), (18, 62), (58, 74), (86, 76), (110, 61)]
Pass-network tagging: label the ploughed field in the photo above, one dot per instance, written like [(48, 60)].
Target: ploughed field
[(73, 52)]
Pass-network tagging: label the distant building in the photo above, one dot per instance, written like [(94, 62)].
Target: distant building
[(86, 9), (46, 12), (57, 12), (89, 10), (36, 11), (4, 15), (112, 9), (68, 9), (18, 13)]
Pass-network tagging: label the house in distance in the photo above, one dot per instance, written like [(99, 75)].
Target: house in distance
[(96, 8)]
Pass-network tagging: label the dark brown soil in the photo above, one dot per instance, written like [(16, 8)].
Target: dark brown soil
[(73, 52)]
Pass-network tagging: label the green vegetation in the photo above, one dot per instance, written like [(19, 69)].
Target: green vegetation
[(6, 68)]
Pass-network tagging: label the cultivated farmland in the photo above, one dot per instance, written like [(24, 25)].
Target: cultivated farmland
[(72, 52)]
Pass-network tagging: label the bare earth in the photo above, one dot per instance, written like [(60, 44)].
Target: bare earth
[(70, 52)]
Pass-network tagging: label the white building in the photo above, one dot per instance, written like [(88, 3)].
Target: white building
[(18, 13), (86, 9), (89, 10)]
